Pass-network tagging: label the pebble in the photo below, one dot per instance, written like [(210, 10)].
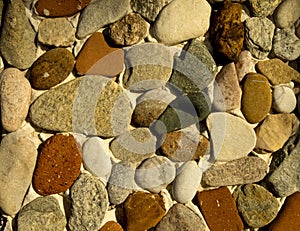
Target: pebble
[(96, 159), (256, 98), (155, 173), (51, 68), (97, 57), (17, 39), (91, 19), (257, 206), (245, 64), (275, 131), (57, 32), (219, 210), (15, 95), (287, 13), (129, 30), (284, 99), (149, 9), (186, 183), (89, 201), (143, 211), (58, 165), (41, 212), (180, 217), (182, 20), (18, 156), (259, 34), (263, 8), (228, 142), (288, 218), (111, 226)]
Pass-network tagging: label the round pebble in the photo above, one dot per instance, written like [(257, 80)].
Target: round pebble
[(284, 99)]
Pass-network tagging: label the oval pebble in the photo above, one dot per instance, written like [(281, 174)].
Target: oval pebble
[(284, 99)]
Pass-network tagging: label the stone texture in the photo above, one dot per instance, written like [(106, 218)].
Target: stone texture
[(259, 34), (56, 32), (263, 8), (143, 211), (17, 36), (51, 68), (111, 226), (257, 206), (43, 213), (284, 99), (219, 210), (112, 109), (256, 98), (89, 201), (245, 64), (241, 171), (129, 30), (228, 142), (91, 19), (18, 156), (287, 13), (180, 217), (275, 131), (15, 98), (227, 31), (181, 20)]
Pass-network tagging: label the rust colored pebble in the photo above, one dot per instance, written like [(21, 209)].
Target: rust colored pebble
[(58, 165), (111, 226), (219, 210)]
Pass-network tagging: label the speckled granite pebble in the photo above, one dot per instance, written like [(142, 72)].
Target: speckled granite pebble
[(263, 8), (149, 9)]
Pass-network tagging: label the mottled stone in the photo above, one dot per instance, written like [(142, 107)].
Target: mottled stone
[(263, 8), (89, 201), (287, 13), (149, 9), (284, 99), (111, 226), (43, 213), (245, 64)]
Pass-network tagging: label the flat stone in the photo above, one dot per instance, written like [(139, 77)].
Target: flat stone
[(18, 157), (259, 34), (111, 226), (228, 142), (275, 131), (256, 98), (257, 206), (180, 217), (143, 210), (245, 64), (219, 210), (51, 68), (241, 171), (149, 9), (89, 201), (263, 8), (287, 13), (112, 114), (56, 32), (284, 99), (91, 19), (40, 212), (15, 95), (17, 39), (182, 20)]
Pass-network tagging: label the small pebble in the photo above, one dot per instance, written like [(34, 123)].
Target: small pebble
[(263, 8), (245, 64), (287, 13), (111, 226), (284, 99)]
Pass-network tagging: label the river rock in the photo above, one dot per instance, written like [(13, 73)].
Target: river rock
[(284, 99), (181, 20), (111, 226), (41, 212), (263, 8), (245, 64), (287, 13)]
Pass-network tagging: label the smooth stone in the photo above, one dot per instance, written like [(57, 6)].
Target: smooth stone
[(284, 99), (18, 156), (17, 43), (97, 57), (111, 115), (186, 182), (241, 171), (129, 30), (15, 98), (143, 210), (257, 206), (89, 203), (57, 32), (256, 98), (277, 72), (182, 20), (287, 13), (275, 131), (228, 142), (219, 209), (91, 19), (111, 226), (155, 173), (259, 34), (40, 213), (245, 64), (51, 68), (180, 217), (96, 158), (263, 8)]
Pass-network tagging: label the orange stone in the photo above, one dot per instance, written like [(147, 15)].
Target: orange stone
[(111, 226)]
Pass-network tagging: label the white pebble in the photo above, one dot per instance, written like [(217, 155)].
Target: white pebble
[(284, 99)]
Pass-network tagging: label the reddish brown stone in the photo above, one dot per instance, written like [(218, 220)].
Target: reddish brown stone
[(219, 210), (60, 8), (111, 226), (58, 165), (98, 58)]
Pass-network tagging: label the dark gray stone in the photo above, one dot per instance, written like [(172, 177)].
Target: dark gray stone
[(263, 8), (149, 9)]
